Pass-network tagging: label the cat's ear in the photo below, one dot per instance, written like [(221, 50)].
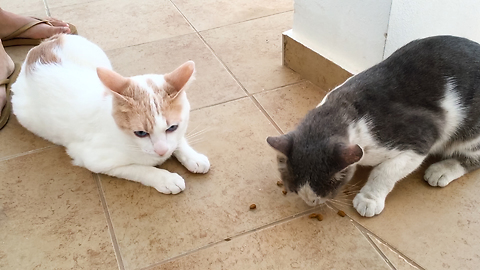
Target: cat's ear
[(282, 143), (350, 154), (178, 79), (114, 81)]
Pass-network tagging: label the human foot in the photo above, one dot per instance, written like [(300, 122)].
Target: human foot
[(6, 68), (10, 22)]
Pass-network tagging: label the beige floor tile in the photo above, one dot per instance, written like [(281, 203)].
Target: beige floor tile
[(152, 227), (18, 53), (252, 50), (439, 228), (205, 14), (302, 243), (24, 7), (51, 216), (213, 83), (288, 105), (121, 23), (15, 139)]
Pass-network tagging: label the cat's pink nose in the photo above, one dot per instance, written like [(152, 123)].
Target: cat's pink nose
[(160, 147)]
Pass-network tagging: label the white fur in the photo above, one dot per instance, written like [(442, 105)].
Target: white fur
[(393, 165), (442, 173), (454, 117), (66, 104), (307, 194), (390, 167), (326, 96)]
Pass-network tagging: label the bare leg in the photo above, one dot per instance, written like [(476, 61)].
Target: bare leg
[(6, 68)]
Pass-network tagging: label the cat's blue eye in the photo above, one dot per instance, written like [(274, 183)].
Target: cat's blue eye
[(172, 128), (140, 134)]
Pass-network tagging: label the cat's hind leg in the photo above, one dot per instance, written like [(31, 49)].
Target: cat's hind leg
[(443, 172), (370, 200)]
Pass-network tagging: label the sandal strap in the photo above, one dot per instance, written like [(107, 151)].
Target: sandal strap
[(4, 82), (24, 28)]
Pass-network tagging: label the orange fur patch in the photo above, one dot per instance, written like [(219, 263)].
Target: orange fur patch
[(133, 111), (44, 53), (170, 107)]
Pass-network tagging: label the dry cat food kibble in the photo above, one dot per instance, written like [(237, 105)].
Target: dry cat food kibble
[(341, 213), (279, 183), (319, 217), (253, 206), (313, 215), (284, 192)]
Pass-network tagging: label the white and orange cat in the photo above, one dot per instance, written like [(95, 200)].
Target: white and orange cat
[(68, 94)]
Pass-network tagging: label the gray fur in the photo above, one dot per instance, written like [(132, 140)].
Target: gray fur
[(401, 100)]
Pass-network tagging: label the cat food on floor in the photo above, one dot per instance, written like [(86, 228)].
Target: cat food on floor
[(279, 183), (319, 217), (341, 213), (313, 215), (253, 206), (284, 192)]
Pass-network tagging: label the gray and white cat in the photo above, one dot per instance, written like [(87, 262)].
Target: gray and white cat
[(422, 100)]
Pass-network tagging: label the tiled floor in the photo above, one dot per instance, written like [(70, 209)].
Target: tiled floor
[(57, 216)]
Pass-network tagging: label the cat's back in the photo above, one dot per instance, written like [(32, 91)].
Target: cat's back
[(419, 71), (426, 90), (58, 85)]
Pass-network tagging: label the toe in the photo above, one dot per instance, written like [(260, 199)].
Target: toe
[(57, 22)]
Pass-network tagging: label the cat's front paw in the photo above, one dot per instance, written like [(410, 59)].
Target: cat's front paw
[(170, 184), (196, 163), (368, 206), (442, 173)]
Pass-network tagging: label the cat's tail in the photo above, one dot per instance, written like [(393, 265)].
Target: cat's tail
[(47, 53)]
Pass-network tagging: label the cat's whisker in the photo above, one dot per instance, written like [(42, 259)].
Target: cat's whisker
[(193, 142), (351, 192), (356, 185), (339, 205), (197, 133), (329, 206), (194, 129), (341, 198), (340, 202), (347, 193)]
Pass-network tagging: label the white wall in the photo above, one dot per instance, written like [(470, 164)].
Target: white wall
[(413, 19), (351, 33)]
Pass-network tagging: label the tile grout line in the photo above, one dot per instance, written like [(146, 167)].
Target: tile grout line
[(257, 229), (248, 20), (28, 153), (266, 114), (369, 234), (379, 251), (384, 257), (250, 95), (113, 237)]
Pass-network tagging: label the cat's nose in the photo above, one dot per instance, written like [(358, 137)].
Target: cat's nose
[(160, 147)]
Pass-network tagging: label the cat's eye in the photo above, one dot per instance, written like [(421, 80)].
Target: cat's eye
[(140, 134), (172, 128)]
